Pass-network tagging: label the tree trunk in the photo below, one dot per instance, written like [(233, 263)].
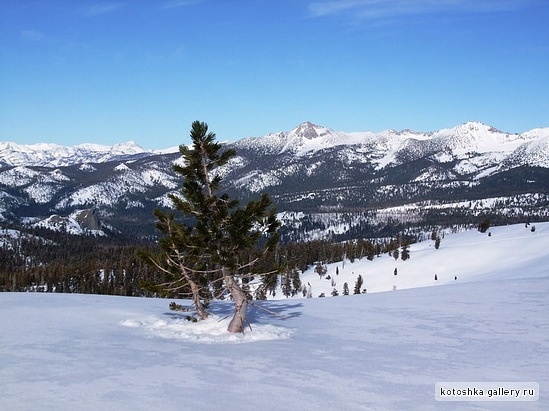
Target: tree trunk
[(203, 314), (195, 290), (240, 303)]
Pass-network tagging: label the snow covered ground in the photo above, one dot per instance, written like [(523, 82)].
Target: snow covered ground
[(374, 351), (469, 255)]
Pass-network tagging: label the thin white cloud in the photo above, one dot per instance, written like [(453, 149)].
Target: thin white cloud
[(104, 8), (180, 3), (390, 9), (32, 35)]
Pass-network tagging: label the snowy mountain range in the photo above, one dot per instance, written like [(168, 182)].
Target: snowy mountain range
[(55, 155), (472, 148), (310, 169)]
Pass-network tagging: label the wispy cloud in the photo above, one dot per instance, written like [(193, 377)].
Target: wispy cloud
[(32, 35), (104, 8), (391, 9), (180, 3)]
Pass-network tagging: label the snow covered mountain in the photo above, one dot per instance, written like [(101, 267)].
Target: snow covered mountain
[(310, 169), (54, 155), (390, 147)]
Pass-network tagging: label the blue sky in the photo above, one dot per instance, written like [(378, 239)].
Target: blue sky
[(105, 72)]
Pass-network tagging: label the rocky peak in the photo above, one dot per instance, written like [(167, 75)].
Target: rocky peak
[(88, 219), (308, 130)]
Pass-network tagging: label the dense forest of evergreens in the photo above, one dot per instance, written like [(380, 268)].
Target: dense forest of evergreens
[(49, 261)]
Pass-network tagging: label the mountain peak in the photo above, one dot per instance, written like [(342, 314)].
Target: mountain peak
[(475, 126), (129, 147), (309, 130)]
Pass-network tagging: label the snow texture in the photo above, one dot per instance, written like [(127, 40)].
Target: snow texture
[(375, 351)]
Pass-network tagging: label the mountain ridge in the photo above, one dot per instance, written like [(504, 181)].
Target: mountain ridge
[(56, 155), (304, 138), (310, 169)]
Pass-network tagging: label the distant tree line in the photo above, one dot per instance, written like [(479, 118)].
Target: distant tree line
[(48, 261)]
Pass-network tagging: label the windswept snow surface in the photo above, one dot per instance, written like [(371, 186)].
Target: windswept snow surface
[(375, 351)]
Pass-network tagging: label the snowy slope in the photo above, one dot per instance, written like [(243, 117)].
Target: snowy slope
[(466, 255), (533, 153), (379, 351), (478, 137)]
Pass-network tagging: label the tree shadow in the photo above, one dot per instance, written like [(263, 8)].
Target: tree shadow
[(259, 311)]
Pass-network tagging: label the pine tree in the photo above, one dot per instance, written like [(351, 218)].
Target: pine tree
[(358, 285), (405, 254), (205, 245), (286, 284), (345, 289), (484, 225), (296, 281)]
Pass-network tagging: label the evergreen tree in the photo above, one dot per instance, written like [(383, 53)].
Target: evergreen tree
[(405, 254), (206, 244), (484, 225), (345, 289), (296, 281), (358, 285), (286, 284)]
